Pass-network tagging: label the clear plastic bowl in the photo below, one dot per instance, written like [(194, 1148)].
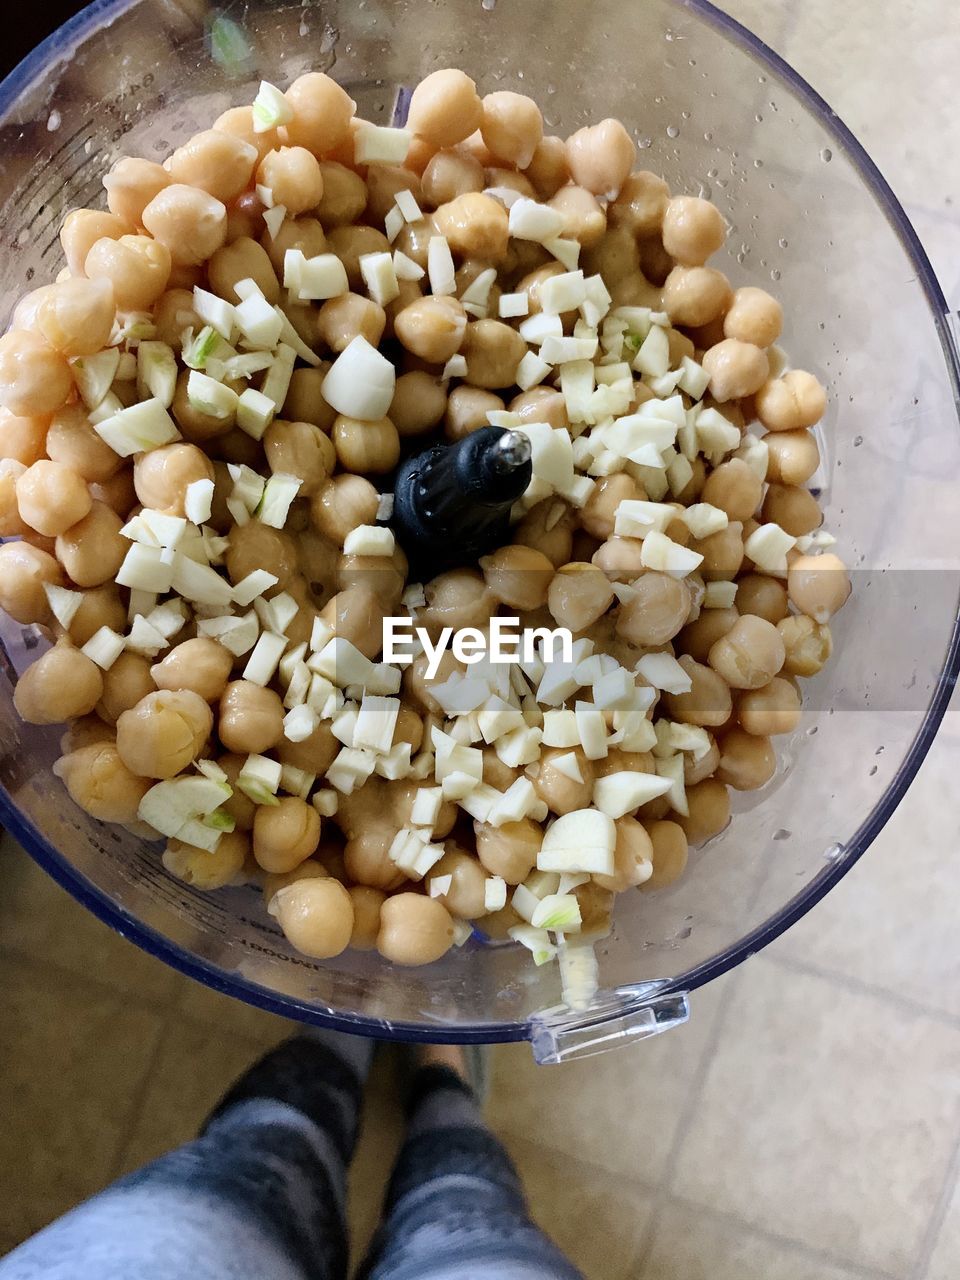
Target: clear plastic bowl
[(719, 114)]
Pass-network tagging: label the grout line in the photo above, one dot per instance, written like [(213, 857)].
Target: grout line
[(685, 1122), (858, 986), (787, 1243), (937, 1217)]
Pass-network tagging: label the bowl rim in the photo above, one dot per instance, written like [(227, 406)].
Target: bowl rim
[(59, 45)]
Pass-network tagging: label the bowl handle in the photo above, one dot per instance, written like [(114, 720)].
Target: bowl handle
[(618, 1018)]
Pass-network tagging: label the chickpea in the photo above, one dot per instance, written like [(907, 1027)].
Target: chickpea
[(613, 257), (596, 908), (509, 851), (285, 834), (794, 509), (601, 156), (186, 276), (518, 576), (217, 162), (578, 595), (599, 512), (465, 897), (511, 127), (322, 113), (238, 122), (357, 615), (203, 869), (764, 596), (541, 404), (621, 559), (792, 456), (417, 687), (450, 174), (557, 789), (346, 502), (418, 155), (750, 654), (493, 351), (669, 854), (641, 204), (693, 296), (244, 259), (130, 186), (293, 175), (458, 598), (819, 586), (173, 314), (202, 665), (617, 761), (467, 409), (445, 108), (370, 447), (88, 731), (344, 195), (656, 613), (34, 379), (367, 904), (475, 225), (11, 525), (61, 685), (305, 234), (735, 488), (23, 571), (499, 775), (808, 645), (163, 733), (384, 182), (414, 240), (584, 217), (350, 244), (632, 857), (736, 369), (772, 709), (695, 770), (418, 403), (51, 497), (708, 702), (24, 439), (302, 450), (240, 807), (414, 930), (100, 783), (73, 443), (251, 718), (316, 916), (790, 402), (709, 805), (257, 546), (435, 328), (747, 761), (754, 317), (693, 230), (81, 230), (722, 553), (191, 224), (342, 319), (162, 476), (366, 857), (126, 682), (92, 550), (76, 317), (548, 527), (137, 267), (305, 402), (245, 217), (410, 728), (314, 754), (548, 170)]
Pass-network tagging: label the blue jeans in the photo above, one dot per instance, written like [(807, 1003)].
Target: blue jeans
[(260, 1195)]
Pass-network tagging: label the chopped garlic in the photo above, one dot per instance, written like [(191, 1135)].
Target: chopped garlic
[(514, 304), (663, 671), (663, 554), (565, 251), (621, 793), (530, 220), (259, 778), (536, 941), (557, 912), (275, 218), (719, 595), (583, 840), (104, 647), (63, 603), (767, 547), (437, 886), (376, 723), (326, 802), (351, 768), (369, 540), (380, 277), (375, 144), (138, 429), (361, 382), (198, 500), (255, 412), (270, 108), (440, 268), (406, 268), (494, 893), (407, 204)]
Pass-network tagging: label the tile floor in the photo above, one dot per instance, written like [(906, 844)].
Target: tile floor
[(804, 1126)]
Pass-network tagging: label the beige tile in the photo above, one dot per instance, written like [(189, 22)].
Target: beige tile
[(891, 922), (826, 1116), (689, 1244), (73, 1062), (888, 71), (618, 1111), (939, 233), (766, 20), (229, 1016), (193, 1070), (597, 1219), (40, 920), (945, 1259)]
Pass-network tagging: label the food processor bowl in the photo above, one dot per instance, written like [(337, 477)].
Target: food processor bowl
[(811, 219)]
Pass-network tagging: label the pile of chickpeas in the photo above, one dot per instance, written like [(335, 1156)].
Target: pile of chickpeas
[(65, 495)]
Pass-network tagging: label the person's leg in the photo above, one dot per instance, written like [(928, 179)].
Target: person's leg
[(259, 1194), (455, 1207)]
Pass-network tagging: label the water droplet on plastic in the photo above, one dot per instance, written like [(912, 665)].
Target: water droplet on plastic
[(708, 137), (712, 173), (782, 834), (684, 115), (673, 131), (54, 120), (775, 274), (644, 143), (879, 751), (758, 164), (783, 242), (857, 440), (759, 118), (706, 191), (826, 155), (833, 852), (551, 89), (872, 771), (488, 4), (812, 730)]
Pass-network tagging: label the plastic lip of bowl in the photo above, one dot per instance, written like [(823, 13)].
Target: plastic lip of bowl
[(60, 45)]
